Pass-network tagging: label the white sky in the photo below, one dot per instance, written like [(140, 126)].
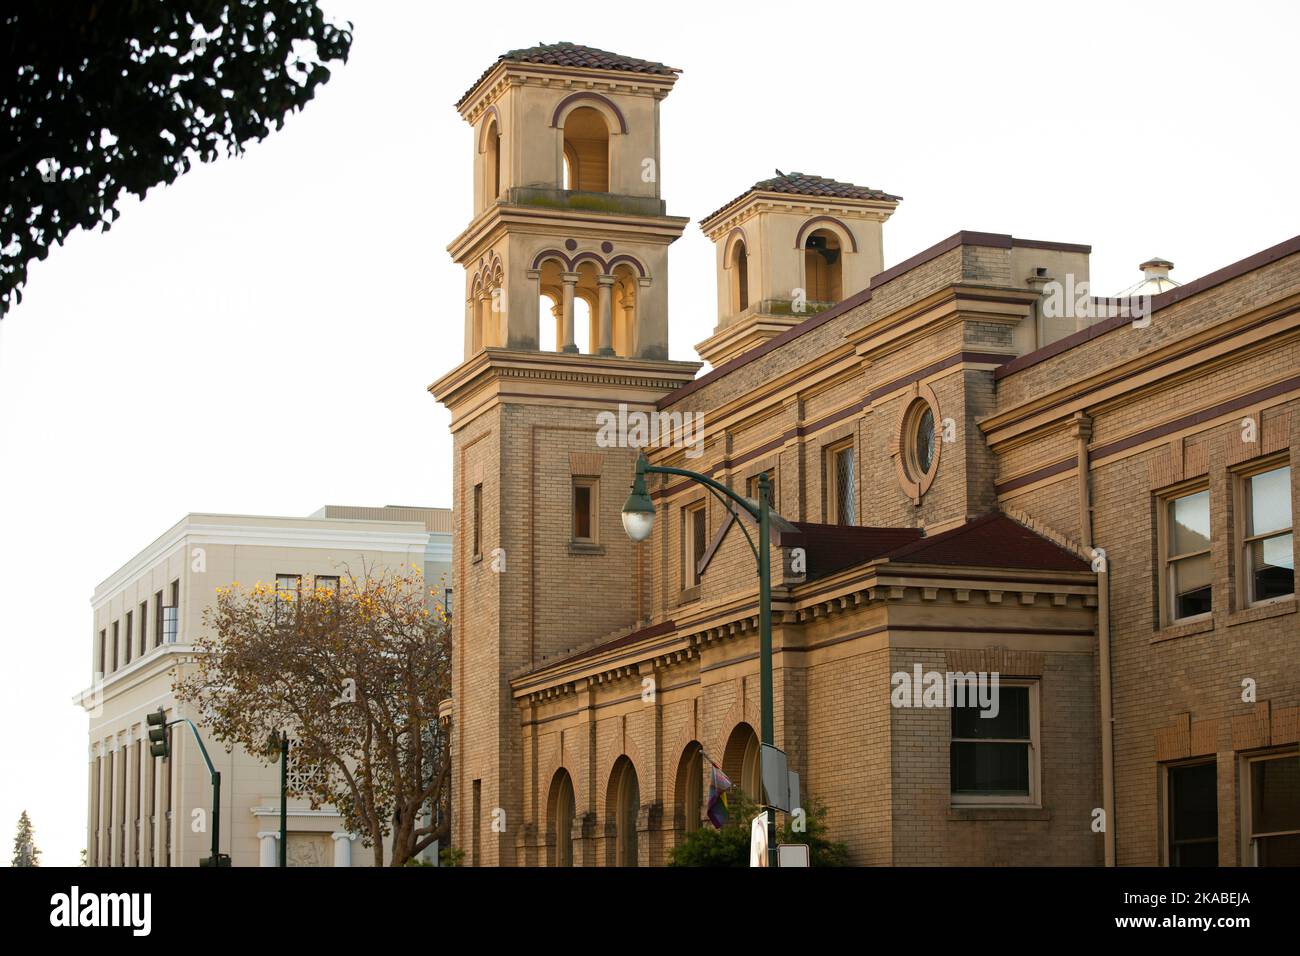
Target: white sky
[(258, 337)]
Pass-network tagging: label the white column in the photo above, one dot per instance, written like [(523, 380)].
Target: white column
[(115, 805), (342, 849), (269, 855), (570, 280), (605, 307)]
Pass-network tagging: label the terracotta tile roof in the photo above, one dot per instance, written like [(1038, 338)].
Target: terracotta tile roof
[(804, 184), (990, 541), (577, 56), (833, 547), (640, 634)]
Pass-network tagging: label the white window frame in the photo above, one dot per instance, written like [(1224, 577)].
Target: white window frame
[(1165, 501), (1031, 799), (1244, 504)]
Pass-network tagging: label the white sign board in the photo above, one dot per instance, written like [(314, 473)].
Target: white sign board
[(793, 854), (758, 840)]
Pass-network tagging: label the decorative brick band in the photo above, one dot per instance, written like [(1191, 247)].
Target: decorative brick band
[(996, 659)]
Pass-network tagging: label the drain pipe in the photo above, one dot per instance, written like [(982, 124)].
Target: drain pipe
[(1101, 565)]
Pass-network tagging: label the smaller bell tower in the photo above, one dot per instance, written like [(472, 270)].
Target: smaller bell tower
[(787, 248)]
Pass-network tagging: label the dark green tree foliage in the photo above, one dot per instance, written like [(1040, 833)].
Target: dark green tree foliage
[(101, 97), (730, 845), (25, 852)]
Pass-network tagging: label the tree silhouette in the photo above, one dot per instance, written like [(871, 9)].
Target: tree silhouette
[(100, 97)]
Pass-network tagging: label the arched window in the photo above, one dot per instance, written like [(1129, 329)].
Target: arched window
[(586, 151), (822, 264), (740, 762), (690, 788), (623, 803), (739, 277), (492, 163), (559, 818)]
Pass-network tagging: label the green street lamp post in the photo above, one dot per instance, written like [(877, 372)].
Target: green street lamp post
[(278, 748), (638, 522)]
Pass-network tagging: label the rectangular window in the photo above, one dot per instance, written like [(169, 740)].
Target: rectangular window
[(144, 627), (446, 600), (751, 486), (128, 633), (171, 625), (1268, 550), (1188, 575), (158, 619), (103, 650), (693, 543), (115, 632), (840, 485), (1273, 810), (327, 582), (478, 521), (1193, 815), (994, 758), (287, 589), (584, 510)]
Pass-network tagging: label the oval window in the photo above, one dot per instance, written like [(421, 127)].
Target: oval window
[(923, 442)]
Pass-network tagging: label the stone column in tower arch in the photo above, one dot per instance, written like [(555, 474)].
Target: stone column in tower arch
[(570, 280), (606, 309)]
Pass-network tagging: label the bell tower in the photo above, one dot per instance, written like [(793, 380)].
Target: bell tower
[(568, 248), (787, 248), (565, 320)]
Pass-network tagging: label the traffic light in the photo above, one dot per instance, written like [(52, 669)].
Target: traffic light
[(159, 745)]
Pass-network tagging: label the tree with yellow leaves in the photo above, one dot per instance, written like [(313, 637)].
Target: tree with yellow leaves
[(353, 672)]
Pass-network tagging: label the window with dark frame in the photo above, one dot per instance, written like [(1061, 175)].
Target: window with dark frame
[(103, 650), (1274, 809), (992, 756), (128, 632), (144, 627), (1268, 547), (751, 486), (584, 510), (478, 520), (694, 543), (115, 631), (1188, 573), (840, 485), (158, 619), (1193, 815), (327, 582)]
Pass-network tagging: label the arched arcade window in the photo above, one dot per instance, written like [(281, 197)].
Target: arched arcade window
[(559, 819), (586, 151), (740, 761), (623, 805), (822, 266)]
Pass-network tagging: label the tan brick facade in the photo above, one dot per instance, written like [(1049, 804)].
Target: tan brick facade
[(580, 658)]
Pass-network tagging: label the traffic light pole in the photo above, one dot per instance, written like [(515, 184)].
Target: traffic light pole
[(216, 789)]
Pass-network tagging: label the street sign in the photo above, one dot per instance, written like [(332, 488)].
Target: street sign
[(776, 778), (793, 854)]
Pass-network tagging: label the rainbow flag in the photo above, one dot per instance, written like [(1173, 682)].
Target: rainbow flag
[(718, 787)]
